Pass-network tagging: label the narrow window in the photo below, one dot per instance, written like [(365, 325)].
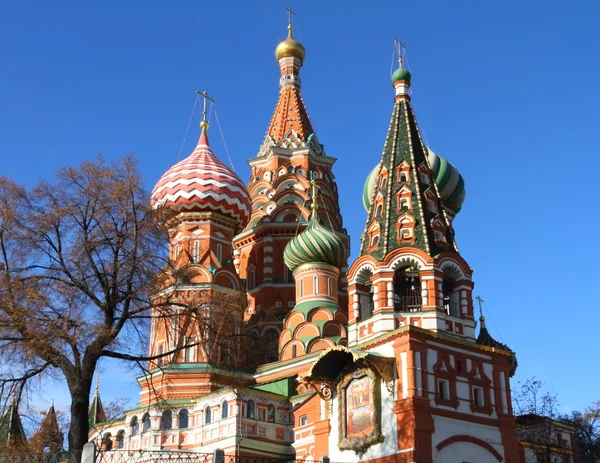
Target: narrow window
[(301, 287), (294, 351), (251, 279), (219, 252), (183, 419), (378, 210), (176, 254), (196, 251), (315, 285), (250, 409), (383, 182), (403, 177), (303, 420), (375, 240), (146, 423), (135, 426), (161, 351), (478, 397), (443, 389), (207, 415), (166, 420), (121, 439), (329, 287), (224, 410), (271, 413)]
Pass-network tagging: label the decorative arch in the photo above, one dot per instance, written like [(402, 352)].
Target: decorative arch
[(227, 279), (452, 269), (471, 440), (406, 261), (320, 344)]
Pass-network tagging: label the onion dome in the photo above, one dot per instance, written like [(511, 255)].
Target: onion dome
[(314, 245), (369, 188), (450, 183), (290, 47), (401, 74), (486, 339), (202, 183)]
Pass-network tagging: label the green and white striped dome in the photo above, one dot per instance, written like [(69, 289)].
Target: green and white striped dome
[(448, 180), (314, 245)]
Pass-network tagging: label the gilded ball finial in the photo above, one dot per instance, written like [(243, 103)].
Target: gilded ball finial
[(290, 47)]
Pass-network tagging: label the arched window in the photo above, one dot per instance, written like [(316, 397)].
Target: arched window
[(161, 351), (196, 251), (378, 210), (146, 423), (166, 420), (251, 279), (375, 240), (183, 419), (271, 413), (407, 291), (224, 410), (250, 409), (207, 415), (290, 169), (219, 252), (315, 285), (135, 426), (383, 182), (121, 439), (107, 442)]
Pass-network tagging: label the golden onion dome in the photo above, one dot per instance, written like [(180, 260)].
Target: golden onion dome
[(290, 47)]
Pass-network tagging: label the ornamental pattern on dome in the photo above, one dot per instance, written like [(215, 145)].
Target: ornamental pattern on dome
[(202, 183), (316, 244)]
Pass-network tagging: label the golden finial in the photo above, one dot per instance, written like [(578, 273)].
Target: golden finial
[(290, 47), (204, 122), (314, 188)]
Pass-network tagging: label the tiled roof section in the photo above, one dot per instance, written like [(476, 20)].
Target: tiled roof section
[(290, 114), (407, 176), (201, 182), (11, 428), (96, 413)]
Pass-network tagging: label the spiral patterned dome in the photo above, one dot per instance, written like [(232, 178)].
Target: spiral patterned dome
[(202, 183), (449, 182), (316, 244)]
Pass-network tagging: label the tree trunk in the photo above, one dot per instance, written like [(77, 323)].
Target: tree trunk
[(79, 426)]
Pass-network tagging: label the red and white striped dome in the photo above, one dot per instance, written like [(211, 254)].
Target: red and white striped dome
[(203, 183)]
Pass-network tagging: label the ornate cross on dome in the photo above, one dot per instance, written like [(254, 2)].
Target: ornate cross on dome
[(206, 100), (400, 49)]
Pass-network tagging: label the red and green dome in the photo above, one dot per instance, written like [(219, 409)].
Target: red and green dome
[(314, 245)]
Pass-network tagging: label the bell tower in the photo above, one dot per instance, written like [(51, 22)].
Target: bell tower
[(410, 271)]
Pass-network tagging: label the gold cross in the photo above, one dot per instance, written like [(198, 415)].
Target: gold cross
[(400, 48), (314, 189), (290, 13), (206, 99), (480, 304)]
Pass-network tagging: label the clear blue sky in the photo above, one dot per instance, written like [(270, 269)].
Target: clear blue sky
[(505, 90)]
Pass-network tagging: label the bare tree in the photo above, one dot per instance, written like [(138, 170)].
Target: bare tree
[(587, 426), (539, 422), (77, 264)]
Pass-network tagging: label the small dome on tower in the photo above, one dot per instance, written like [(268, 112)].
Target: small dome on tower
[(401, 74), (290, 47), (369, 188), (314, 245), (202, 183)]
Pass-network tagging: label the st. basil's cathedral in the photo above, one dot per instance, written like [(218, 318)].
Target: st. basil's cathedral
[(377, 360)]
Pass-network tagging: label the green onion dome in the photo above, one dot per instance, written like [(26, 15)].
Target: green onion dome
[(314, 245), (450, 183), (369, 188), (401, 74)]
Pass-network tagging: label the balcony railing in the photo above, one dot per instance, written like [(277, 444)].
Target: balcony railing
[(408, 303)]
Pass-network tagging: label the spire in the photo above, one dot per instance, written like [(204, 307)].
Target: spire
[(96, 412), (290, 119), (11, 428), (405, 207), (204, 124), (48, 434)]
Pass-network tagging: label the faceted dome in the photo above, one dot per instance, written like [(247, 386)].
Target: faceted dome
[(314, 245), (450, 183), (202, 183), (290, 47)]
